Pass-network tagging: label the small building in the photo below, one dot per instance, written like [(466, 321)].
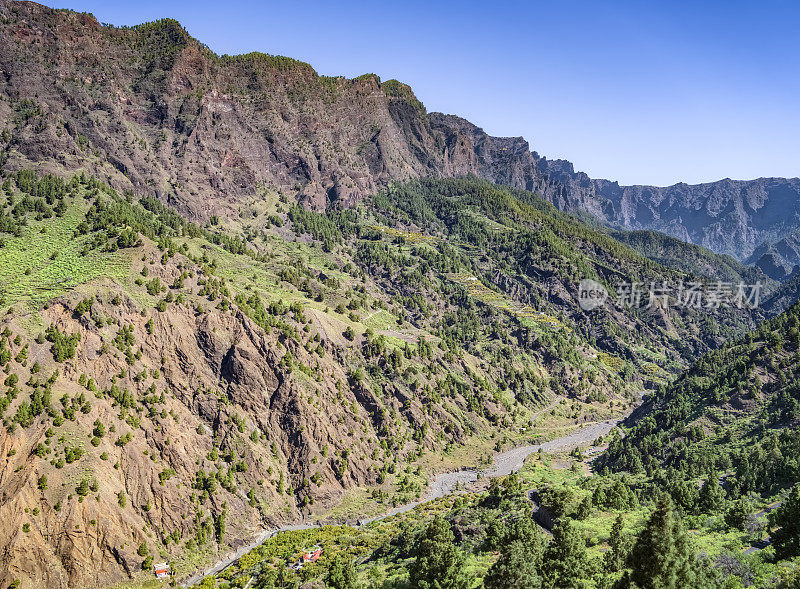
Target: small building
[(161, 570), (312, 555), (309, 555)]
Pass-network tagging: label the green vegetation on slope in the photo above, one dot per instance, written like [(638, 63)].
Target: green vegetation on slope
[(601, 532), (735, 410), (693, 259), (405, 330), (109, 368)]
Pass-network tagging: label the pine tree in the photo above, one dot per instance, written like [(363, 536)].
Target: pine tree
[(496, 533), (786, 539), (83, 488), (526, 531), (618, 551), (439, 564), (712, 497), (565, 564), (663, 557), (219, 524), (738, 512), (515, 569)]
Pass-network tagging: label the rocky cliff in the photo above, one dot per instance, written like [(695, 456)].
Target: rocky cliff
[(152, 110)]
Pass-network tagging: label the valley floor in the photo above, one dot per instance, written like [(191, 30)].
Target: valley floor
[(444, 484)]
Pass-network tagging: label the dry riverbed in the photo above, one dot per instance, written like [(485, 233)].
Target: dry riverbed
[(504, 463)]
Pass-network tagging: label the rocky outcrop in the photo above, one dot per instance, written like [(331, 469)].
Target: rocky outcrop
[(152, 110), (210, 394)]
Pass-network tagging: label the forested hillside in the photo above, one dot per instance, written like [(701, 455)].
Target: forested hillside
[(702, 491), (723, 439), (736, 411), (236, 295), (161, 377), (170, 376), (674, 253)]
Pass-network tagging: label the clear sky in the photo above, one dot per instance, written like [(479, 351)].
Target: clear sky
[(640, 92)]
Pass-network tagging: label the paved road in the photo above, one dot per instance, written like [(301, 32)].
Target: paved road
[(769, 508), (443, 484), (764, 542), (760, 546)]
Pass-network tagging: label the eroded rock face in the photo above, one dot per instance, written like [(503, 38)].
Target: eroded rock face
[(150, 109), (187, 394), (225, 368)]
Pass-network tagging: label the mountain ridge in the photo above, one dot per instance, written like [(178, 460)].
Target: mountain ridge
[(734, 217), (162, 114), (159, 102)]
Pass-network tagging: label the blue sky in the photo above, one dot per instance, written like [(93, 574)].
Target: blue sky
[(640, 92)]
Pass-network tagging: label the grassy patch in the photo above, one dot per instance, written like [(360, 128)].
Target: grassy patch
[(47, 261)]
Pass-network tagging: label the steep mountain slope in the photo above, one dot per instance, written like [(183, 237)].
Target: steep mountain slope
[(183, 387), (674, 253), (784, 296), (151, 390), (539, 256), (151, 109), (779, 258), (736, 410)]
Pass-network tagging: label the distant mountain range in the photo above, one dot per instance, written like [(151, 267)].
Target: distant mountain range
[(755, 221)]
